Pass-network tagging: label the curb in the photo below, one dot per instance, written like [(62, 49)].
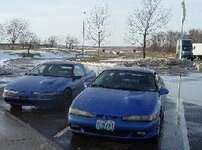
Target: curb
[(27, 126)]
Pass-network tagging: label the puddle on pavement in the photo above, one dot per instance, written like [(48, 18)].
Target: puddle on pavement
[(190, 88)]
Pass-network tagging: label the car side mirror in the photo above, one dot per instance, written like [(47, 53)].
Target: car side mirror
[(77, 77), (87, 83), (27, 73), (163, 91)]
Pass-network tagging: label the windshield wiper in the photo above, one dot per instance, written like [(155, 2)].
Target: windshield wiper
[(32, 74), (100, 85), (126, 88)]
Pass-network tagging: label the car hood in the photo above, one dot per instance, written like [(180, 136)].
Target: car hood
[(102, 101), (39, 84)]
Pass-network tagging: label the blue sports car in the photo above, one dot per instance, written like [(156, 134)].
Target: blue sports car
[(50, 83), (125, 103)]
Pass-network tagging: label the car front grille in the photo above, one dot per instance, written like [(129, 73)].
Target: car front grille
[(116, 133), (104, 132)]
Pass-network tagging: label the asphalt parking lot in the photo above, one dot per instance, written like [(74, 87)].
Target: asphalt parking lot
[(52, 124), (178, 133), (194, 125)]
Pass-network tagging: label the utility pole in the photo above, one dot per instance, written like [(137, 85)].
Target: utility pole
[(183, 16), (182, 27), (98, 53), (83, 42)]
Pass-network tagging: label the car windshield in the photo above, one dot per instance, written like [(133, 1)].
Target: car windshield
[(126, 80), (186, 45), (55, 70)]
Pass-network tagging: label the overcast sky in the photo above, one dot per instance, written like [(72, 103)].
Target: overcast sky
[(62, 17)]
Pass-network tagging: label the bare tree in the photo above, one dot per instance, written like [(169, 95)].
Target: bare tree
[(164, 41), (30, 40), (67, 41), (70, 42), (52, 41), (158, 41), (15, 28), (171, 40), (195, 35), (143, 22), (1, 33), (97, 27)]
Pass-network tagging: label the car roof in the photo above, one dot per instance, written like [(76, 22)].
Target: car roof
[(136, 69), (62, 62)]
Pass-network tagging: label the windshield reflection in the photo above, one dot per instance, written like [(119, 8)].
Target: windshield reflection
[(54, 70), (126, 80)]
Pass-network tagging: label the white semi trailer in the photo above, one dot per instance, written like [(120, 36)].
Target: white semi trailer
[(197, 50)]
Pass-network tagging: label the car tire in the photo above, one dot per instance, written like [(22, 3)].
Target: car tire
[(162, 118), (157, 137), (159, 127), (15, 106), (67, 97)]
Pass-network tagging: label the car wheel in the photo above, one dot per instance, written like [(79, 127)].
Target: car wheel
[(162, 117), (159, 127), (76, 134), (157, 136), (15, 106), (67, 97)]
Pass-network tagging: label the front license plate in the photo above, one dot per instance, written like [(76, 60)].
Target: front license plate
[(23, 97), (105, 125)]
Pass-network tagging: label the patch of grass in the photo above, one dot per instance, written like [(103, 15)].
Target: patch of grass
[(127, 54), (156, 54)]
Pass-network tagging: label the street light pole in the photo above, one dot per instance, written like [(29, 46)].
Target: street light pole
[(83, 42), (183, 16), (182, 28), (99, 42)]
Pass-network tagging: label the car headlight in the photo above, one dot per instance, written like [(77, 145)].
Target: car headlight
[(7, 92), (79, 112), (140, 117)]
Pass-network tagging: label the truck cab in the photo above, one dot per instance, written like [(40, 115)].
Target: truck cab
[(184, 49)]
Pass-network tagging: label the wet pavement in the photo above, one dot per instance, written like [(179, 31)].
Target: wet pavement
[(180, 131), (193, 115), (51, 123), (16, 135)]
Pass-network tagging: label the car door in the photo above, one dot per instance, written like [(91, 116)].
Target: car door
[(79, 79), (90, 76), (160, 83)]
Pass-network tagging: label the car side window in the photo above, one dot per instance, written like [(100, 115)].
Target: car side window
[(86, 69), (78, 71), (38, 69)]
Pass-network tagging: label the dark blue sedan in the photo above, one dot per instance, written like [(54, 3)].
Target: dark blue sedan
[(50, 83), (125, 103)]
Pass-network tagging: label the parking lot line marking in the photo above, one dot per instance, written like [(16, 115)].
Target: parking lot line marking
[(59, 134), (184, 128)]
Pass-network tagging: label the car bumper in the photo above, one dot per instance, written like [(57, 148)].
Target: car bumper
[(188, 56), (26, 101), (123, 129)]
